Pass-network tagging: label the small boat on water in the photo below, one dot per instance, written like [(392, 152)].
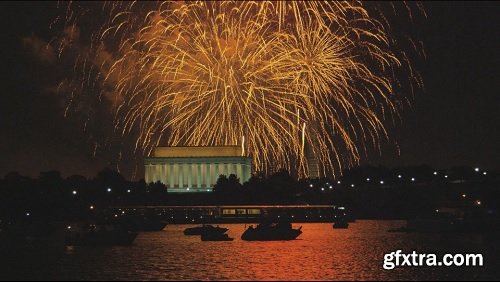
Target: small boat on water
[(341, 224), (98, 235), (271, 232), (199, 230), (208, 236)]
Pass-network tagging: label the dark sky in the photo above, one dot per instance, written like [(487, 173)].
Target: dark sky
[(453, 121)]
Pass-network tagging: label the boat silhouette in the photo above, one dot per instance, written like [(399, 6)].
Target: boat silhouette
[(271, 232), (211, 236), (199, 230), (341, 224)]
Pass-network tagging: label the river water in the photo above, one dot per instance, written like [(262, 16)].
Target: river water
[(319, 253)]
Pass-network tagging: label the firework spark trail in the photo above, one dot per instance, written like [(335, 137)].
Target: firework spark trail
[(212, 73)]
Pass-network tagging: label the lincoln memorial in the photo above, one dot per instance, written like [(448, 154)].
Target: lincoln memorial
[(195, 169)]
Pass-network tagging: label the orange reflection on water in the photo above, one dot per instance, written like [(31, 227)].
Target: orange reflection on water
[(319, 253)]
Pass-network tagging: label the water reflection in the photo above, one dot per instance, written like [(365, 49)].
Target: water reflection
[(320, 253)]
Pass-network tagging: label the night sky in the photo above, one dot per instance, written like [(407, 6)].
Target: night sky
[(453, 121)]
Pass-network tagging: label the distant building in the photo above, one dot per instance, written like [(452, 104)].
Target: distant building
[(195, 169), (312, 163)]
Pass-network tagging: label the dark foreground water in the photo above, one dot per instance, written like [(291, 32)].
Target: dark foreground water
[(320, 253)]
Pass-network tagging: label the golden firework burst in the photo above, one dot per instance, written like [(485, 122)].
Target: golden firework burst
[(281, 75)]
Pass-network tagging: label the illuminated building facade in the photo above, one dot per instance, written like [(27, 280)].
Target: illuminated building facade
[(195, 169)]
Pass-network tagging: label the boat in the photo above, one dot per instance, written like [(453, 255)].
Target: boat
[(271, 232), (210, 236), (340, 224), (199, 230), (98, 235)]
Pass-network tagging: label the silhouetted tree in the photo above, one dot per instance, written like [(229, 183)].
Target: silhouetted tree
[(109, 179), (157, 193), (222, 185), (234, 182)]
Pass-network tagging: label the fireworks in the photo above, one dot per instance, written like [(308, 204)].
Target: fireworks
[(281, 76)]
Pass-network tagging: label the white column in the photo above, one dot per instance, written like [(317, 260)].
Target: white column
[(152, 173), (155, 174), (181, 175), (171, 176), (162, 174), (190, 175), (167, 175), (220, 169), (203, 174), (213, 178), (198, 175), (235, 170), (146, 173), (176, 175), (239, 171)]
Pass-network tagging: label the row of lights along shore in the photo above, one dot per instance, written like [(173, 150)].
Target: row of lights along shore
[(381, 182)]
